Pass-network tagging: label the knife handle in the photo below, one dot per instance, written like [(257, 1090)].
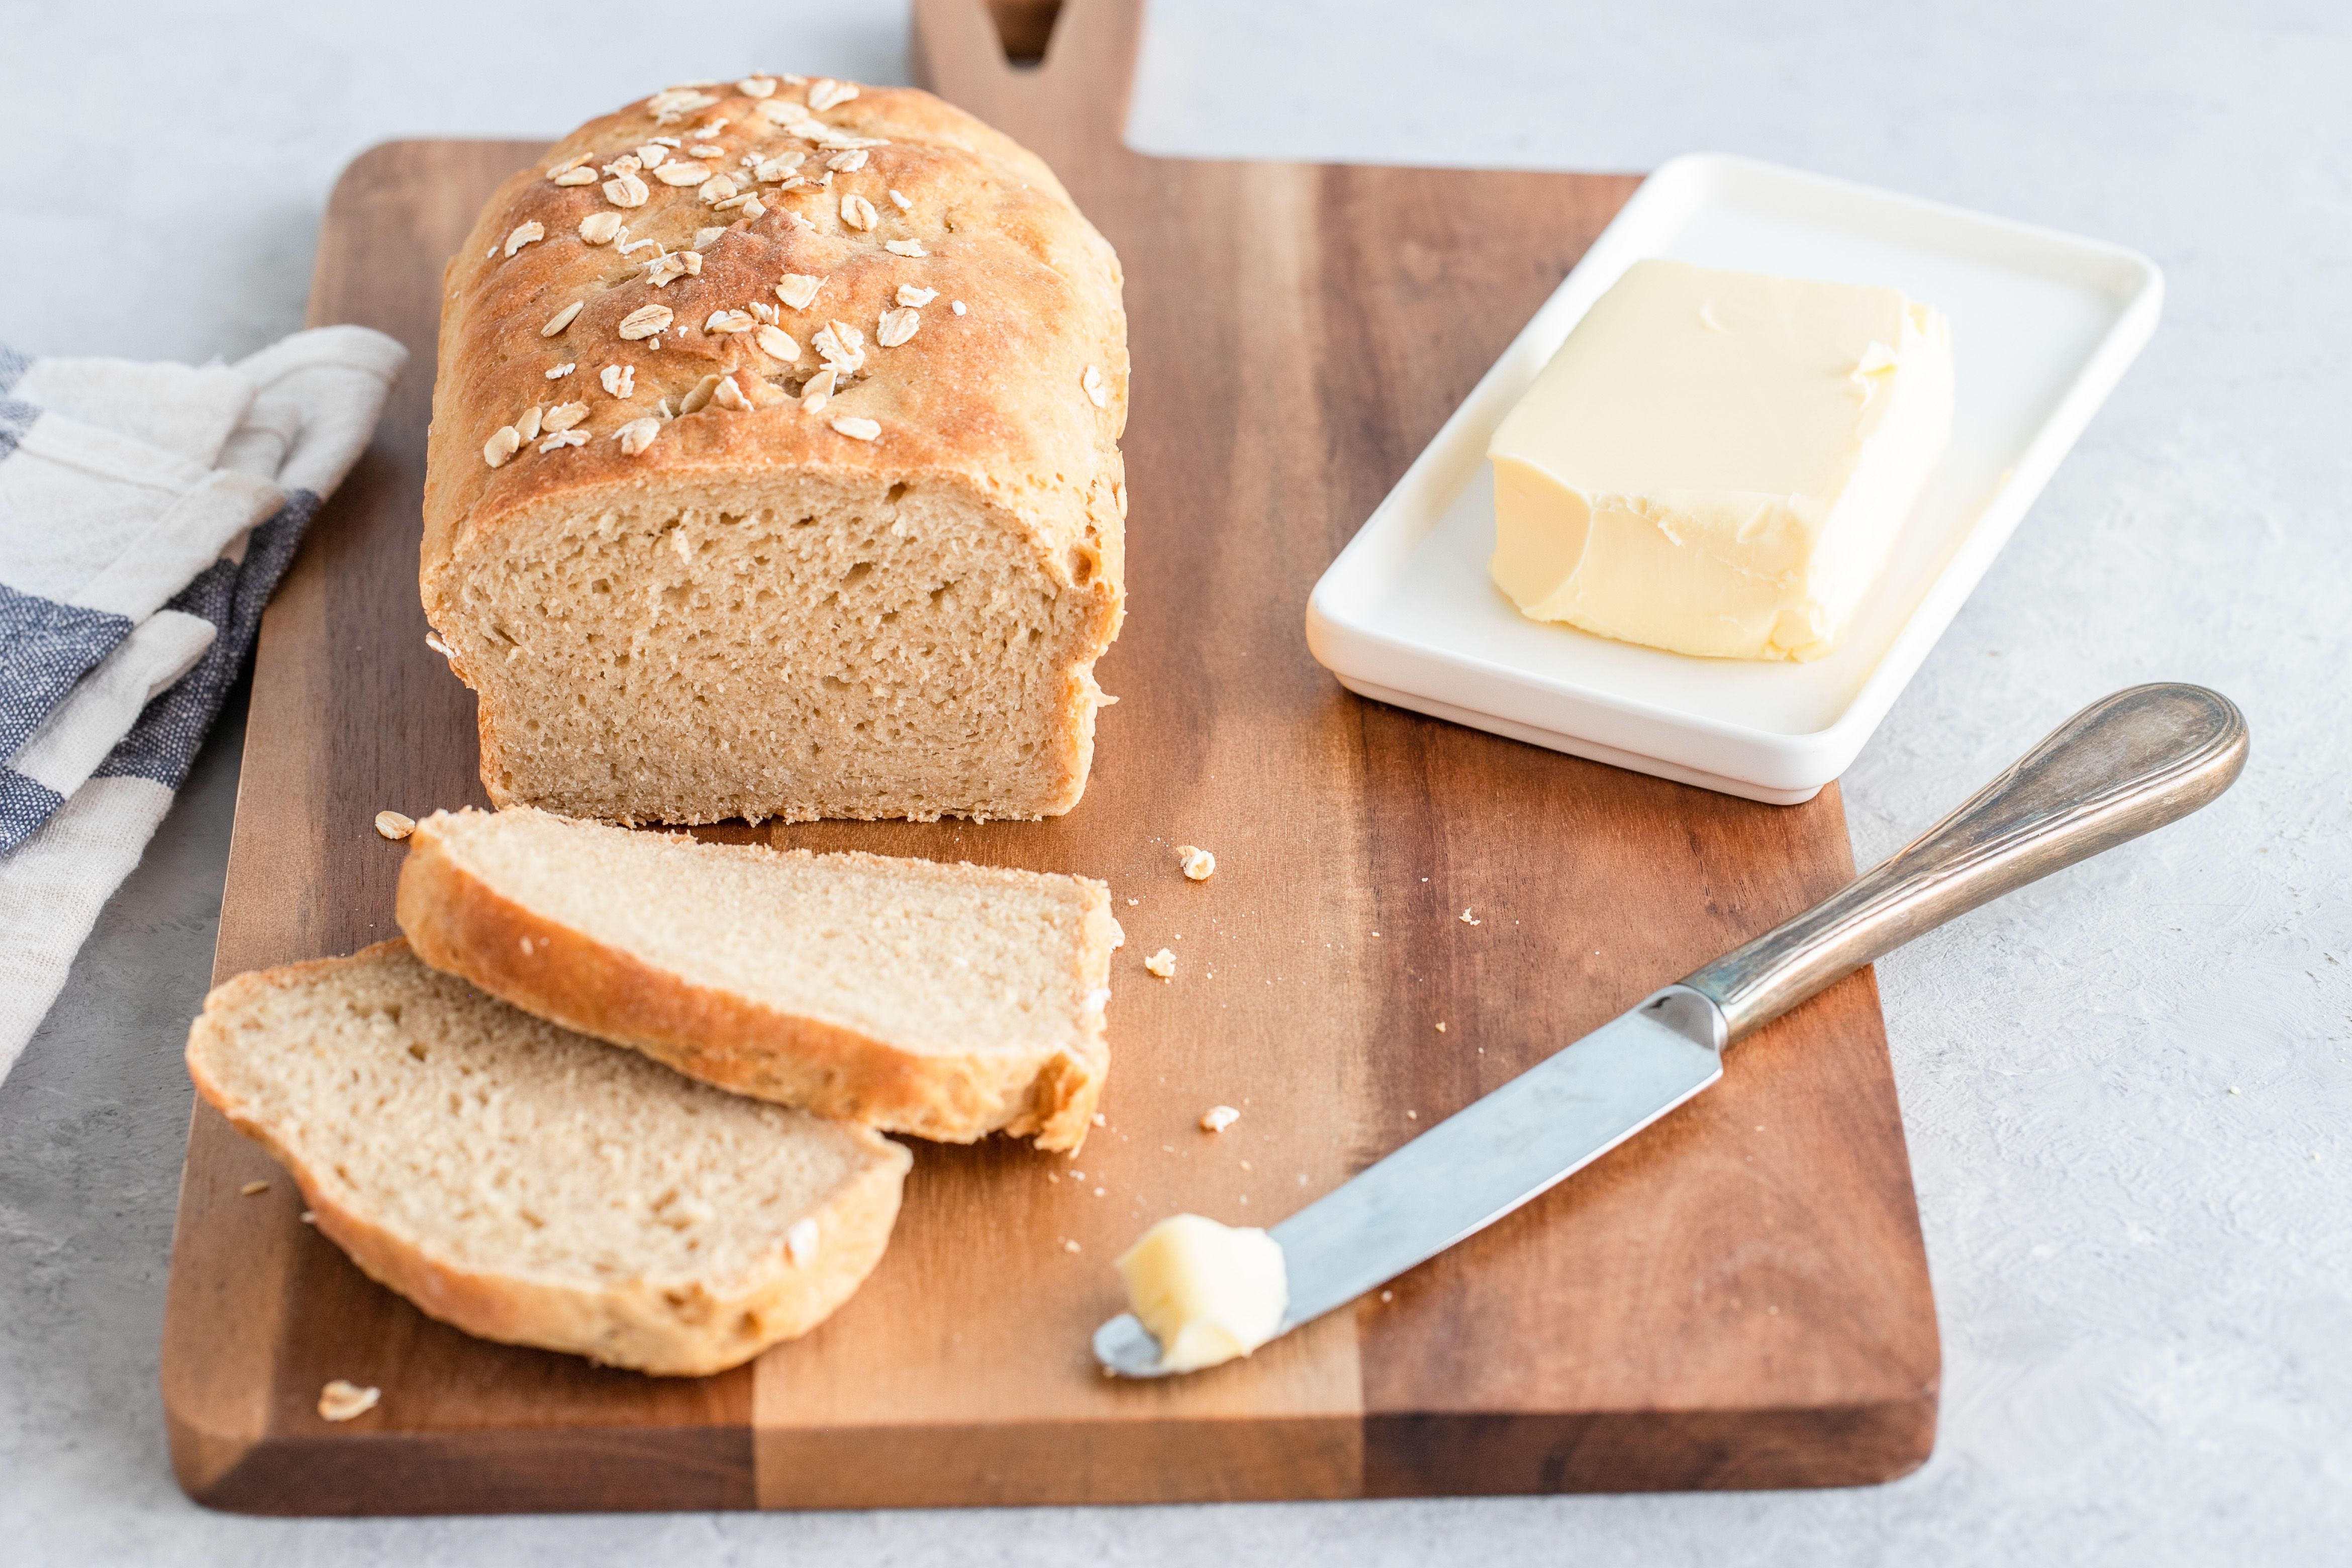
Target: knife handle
[(2123, 766)]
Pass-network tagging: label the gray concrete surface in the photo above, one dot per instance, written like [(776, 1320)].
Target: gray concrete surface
[(2145, 1279)]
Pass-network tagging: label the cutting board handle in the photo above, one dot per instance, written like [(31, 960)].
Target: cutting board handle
[(1043, 71), (2126, 766)]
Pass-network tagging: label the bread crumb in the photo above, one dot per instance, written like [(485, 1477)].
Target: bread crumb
[(310, 1216), (1072, 1246), (1099, 1193), (252, 1189), (957, 306), (1464, 917), (1413, 1116), (800, 1242), (1132, 902), (1217, 1118), (1441, 1028), (1198, 863), (343, 1401), (1388, 1295), (1100, 1120), (1162, 964)]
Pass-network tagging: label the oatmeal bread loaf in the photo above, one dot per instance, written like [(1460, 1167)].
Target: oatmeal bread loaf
[(946, 1001), (773, 469)]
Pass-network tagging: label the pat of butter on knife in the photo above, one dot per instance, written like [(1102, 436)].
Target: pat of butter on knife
[(1208, 1292), (1717, 463)]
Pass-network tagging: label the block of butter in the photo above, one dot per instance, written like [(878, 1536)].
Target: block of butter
[(1717, 463), (1208, 1292)]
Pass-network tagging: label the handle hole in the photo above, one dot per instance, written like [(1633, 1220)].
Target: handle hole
[(1025, 27)]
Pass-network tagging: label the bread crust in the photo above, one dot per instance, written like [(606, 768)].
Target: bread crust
[(667, 1329), (458, 922), (992, 406)]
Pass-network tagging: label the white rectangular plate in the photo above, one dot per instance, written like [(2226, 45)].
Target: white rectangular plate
[(2043, 325)]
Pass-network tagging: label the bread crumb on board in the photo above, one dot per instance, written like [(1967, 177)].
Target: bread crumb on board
[(394, 825), (1217, 1118), (1441, 1028), (253, 1189), (1198, 863), (343, 1401), (1162, 964), (1069, 1246), (1464, 918)]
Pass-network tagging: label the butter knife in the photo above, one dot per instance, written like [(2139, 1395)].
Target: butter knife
[(2123, 766)]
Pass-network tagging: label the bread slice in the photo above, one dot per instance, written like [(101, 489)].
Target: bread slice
[(529, 1185), (758, 552), (945, 1001)]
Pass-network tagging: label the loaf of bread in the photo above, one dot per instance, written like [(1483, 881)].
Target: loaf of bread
[(945, 1001), (773, 469), (529, 1185)]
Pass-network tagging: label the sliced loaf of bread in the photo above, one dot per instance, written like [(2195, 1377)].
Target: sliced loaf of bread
[(771, 550), (945, 1001), (532, 1186)]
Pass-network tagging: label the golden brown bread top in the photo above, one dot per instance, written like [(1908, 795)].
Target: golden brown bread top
[(1018, 401)]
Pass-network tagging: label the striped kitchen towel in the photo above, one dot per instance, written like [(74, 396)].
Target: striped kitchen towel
[(146, 513)]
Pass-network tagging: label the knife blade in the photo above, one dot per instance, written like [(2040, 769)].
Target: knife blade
[(1477, 1165)]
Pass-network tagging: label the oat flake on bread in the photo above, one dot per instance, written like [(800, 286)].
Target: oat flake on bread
[(901, 626)]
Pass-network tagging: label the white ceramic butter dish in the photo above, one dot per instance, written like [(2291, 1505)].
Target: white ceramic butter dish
[(2043, 325)]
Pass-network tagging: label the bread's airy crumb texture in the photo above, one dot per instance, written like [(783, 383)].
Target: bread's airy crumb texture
[(945, 1001), (533, 1187), (856, 555)]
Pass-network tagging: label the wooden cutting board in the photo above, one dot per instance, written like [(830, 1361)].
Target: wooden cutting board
[(1738, 1299)]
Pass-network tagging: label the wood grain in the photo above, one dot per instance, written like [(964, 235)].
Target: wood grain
[(1738, 1299)]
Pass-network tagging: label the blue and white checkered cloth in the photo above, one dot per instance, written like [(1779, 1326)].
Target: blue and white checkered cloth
[(146, 514)]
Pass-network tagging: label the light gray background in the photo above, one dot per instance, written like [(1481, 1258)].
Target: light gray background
[(2145, 1279)]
